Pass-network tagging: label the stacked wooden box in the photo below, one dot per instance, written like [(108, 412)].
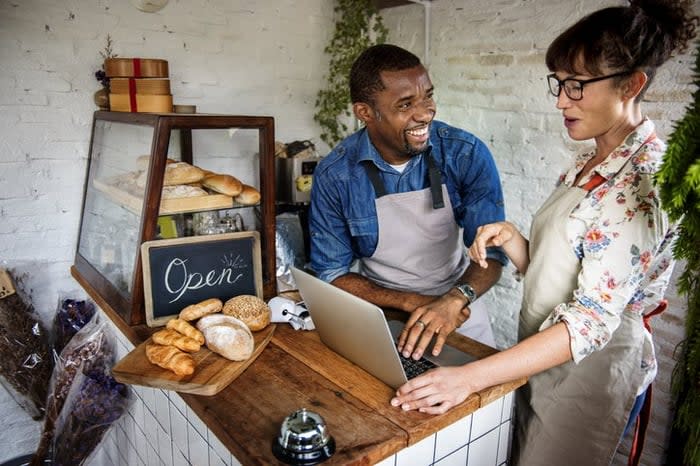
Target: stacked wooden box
[(138, 85)]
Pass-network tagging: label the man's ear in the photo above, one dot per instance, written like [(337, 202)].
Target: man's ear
[(363, 112), (635, 84)]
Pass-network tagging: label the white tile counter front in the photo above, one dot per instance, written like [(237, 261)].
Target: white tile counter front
[(160, 429)]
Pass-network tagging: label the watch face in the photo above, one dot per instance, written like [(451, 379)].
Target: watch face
[(468, 291)]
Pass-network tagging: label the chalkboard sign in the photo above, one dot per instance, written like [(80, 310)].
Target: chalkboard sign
[(183, 271)]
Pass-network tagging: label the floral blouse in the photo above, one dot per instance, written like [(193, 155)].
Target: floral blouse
[(624, 242)]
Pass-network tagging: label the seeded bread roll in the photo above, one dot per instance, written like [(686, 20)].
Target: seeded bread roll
[(224, 184), (248, 196), (195, 311), (181, 173), (250, 309)]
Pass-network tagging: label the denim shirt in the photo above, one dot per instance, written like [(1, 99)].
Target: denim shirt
[(343, 219)]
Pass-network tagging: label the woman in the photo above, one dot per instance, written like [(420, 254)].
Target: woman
[(599, 254)]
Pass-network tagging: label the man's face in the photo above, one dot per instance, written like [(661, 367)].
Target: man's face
[(399, 121)]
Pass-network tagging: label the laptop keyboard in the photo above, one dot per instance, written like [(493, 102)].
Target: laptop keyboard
[(415, 368)]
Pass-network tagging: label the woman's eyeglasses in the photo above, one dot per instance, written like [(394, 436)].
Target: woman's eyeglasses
[(573, 88)]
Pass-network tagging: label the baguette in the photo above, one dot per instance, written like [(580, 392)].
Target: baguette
[(248, 196), (186, 329), (171, 358), (174, 338), (195, 311), (224, 184), (181, 173)]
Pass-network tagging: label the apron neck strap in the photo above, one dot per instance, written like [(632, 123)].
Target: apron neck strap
[(434, 177)]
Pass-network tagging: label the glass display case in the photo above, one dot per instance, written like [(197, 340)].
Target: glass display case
[(125, 203)]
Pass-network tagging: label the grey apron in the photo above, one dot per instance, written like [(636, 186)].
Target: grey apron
[(420, 246), (572, 414)]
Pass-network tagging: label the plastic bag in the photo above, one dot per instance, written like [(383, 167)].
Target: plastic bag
[(25, 357), (289, 244), (94, 402), (71, 315), (88, 351)]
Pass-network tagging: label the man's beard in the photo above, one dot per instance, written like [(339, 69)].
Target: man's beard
[(413, 151)]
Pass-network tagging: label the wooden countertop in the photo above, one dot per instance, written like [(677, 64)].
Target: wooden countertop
[(296, 370)]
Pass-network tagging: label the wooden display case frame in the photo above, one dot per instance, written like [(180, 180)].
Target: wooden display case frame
[(130, 306)]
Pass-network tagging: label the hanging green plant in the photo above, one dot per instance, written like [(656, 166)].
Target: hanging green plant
[(679, 183), (358, 26)]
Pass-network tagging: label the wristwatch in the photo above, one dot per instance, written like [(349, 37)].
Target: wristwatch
[(468, 292)]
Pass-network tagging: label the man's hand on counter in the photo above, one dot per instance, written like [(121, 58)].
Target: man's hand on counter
[(436, 319)]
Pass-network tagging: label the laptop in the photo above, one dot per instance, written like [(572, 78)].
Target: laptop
[(357, 330)]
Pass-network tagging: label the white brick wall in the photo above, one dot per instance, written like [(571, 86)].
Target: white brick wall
[(265, 58)]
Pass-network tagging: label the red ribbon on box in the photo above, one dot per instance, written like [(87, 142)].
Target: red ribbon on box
[(133, 105)]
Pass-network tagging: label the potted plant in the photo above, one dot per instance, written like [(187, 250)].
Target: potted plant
[(679, 182), (358, 26)]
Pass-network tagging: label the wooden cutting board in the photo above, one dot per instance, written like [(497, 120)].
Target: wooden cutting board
[(212, 373)]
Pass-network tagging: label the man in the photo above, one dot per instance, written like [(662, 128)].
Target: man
[(388, 204)]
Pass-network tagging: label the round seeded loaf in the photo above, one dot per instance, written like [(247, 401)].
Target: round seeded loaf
[(250, 309)]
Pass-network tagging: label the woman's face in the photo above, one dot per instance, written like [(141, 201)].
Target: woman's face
[(400, 119), (599, 111)]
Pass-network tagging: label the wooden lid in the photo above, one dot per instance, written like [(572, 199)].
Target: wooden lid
[(136, 68)]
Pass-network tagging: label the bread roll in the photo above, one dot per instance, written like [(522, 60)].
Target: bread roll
[(219, 319), (195, 311), (182, 190), (174, 338), (248, 196), (181, 173), (171, 358), (186, 329), (231, 340), (224, 184), (253, 311)]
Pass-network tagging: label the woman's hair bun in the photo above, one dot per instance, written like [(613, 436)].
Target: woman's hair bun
[(676, 17)]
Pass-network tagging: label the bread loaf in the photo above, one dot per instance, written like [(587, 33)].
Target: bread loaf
[(195, 311), (248, 196), (171, 358), (181, 173), (228, 337), (186, 329), (174, 338), (182, 190), (253, 311), (224, 184)]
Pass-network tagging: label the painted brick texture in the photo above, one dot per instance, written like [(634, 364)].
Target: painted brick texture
[(266, 58)]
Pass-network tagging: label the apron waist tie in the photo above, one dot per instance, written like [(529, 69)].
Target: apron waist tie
[(642, 424)]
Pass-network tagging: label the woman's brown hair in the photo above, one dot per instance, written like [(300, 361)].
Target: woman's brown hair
[(641, 36)]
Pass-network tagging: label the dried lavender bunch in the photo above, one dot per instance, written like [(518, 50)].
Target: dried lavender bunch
[(25, 361), (88, 350), (71, 316), (95, 401)]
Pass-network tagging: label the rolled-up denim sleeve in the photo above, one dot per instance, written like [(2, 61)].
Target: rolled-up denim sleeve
[(331, 251)]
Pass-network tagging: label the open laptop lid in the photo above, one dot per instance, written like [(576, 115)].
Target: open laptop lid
[(352, 327)]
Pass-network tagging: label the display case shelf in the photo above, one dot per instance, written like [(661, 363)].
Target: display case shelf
[(122, 200)]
